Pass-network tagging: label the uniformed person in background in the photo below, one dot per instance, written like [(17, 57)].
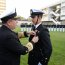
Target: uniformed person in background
[(10, 46), (41, 53)]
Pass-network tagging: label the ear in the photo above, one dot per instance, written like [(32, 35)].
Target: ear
[(9, 21), (40, 17)]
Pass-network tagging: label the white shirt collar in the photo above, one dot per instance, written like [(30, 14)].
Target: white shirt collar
[(37, 25)]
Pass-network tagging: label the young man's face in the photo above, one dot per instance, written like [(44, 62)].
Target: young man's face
[(34, 19)]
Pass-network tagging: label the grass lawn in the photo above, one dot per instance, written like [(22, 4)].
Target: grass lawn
[(58, 54)]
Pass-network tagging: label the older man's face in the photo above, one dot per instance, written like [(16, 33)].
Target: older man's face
[(12, 23)]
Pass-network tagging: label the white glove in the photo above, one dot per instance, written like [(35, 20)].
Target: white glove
[(35, 39)]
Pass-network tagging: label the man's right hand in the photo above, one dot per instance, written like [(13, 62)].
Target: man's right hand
[(32, 33), (35, 39)]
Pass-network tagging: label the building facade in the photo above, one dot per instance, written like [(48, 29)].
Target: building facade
[(2, 6), (55, 13)]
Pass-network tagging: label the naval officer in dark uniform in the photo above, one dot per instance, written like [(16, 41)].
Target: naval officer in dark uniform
[(10, 46), (41, 53)]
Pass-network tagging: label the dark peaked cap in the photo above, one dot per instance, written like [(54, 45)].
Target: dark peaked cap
[(7, 16)]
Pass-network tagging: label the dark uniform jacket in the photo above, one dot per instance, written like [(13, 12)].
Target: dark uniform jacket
[(10, 47), (42, 49)]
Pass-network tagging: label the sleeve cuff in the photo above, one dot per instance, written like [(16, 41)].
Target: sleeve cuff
[(29, 45), (25, 34), (32, 42)]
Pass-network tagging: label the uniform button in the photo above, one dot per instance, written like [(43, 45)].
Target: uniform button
[(46, 58), (26, 51)]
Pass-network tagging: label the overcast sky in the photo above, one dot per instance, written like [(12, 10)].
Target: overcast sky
[(23, 6)]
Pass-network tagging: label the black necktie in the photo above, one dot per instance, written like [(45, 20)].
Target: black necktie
[(33, 28)]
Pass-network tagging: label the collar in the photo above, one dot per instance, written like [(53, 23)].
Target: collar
[(5, 28), (37, 25)]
